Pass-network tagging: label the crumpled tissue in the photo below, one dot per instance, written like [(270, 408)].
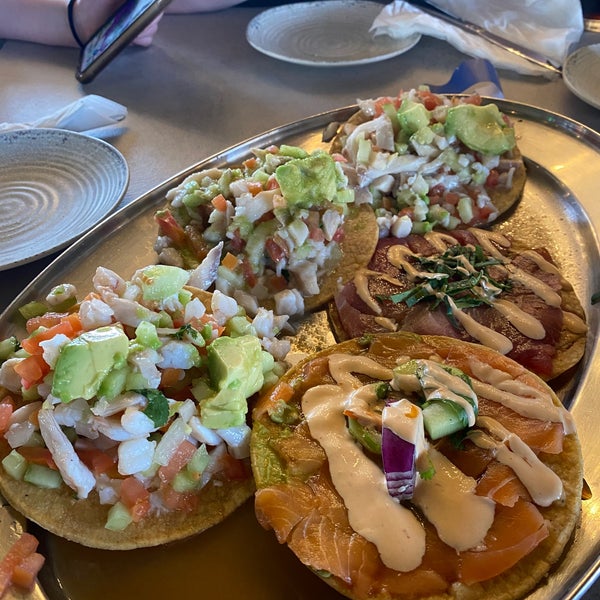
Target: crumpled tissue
[(546, 26), (92, 115)]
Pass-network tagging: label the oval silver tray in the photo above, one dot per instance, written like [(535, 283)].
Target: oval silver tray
[(559, 210)]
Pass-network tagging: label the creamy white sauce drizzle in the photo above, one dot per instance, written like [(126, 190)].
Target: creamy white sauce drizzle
[(527, 324), (530, 402), (389, 324), (537, 286), (542, 483), (488, 337), (448, 500), (574, 323), (360, 482), (438, 383)]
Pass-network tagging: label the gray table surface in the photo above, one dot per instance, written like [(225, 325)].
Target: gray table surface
[(200, 88)]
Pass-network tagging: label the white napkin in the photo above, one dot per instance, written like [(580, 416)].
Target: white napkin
[(546, 26), (92, 115)]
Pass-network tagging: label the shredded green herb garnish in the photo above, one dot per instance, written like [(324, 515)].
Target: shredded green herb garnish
[(157, 408), (461, 274), (186, 330)]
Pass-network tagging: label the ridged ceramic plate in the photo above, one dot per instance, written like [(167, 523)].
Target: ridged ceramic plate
[(54, 186), (581, 74), (324, 34)]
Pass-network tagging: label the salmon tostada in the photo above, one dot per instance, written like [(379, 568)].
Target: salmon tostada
[(429, 161), (123, 414), (402, 466), (280, 230), (476, 285)]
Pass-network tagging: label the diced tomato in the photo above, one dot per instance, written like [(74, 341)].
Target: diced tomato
[(316, 234), (338, 236), (429, 99), (7, 407), (69, 325), (171, 377), (170, 227), (24, 545), (451, 198), (182, 456), (492, 178), (25, 573), (249, 275), (135, 497), (254, 187), (250, 163), (277, 283), (37, 455), (229, 261), (515, 532), (98, 461), (272, 183), (219, 202), (233, 469), (32, 370), (185, 501), (275, 251)]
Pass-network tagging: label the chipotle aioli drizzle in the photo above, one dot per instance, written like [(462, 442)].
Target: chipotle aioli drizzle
[(531, 327)]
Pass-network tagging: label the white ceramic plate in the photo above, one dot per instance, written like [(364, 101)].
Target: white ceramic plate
[(54, 186), (581, 74), (324, 34)]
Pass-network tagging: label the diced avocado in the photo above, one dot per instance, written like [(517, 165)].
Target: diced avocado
[(293, 151), (161, 281), (308, 182), (84, 362), (481, 128), (227, 408), (237, 361), (147, 336), (42, 476), (412, 116)]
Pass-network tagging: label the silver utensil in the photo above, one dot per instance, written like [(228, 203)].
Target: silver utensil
[(516, 49)]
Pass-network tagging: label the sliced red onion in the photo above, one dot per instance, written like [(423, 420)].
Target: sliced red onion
[(398, 465)]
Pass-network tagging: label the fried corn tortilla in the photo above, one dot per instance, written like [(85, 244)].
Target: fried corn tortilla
[(297, 497)]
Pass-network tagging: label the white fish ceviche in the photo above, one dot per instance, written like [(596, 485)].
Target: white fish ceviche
[(136, 394)]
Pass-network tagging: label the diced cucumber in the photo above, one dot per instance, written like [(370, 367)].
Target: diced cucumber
[(8, 346), (185, 481), (443, 417), (199, 460), (367, 437), (42, 476), (119, 517), (15, 465), (33, 309)]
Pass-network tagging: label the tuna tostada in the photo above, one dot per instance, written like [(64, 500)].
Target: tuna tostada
[(473, 284), (402, 466)]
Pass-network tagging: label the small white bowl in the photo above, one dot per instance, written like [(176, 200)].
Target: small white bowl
[(581, 74)]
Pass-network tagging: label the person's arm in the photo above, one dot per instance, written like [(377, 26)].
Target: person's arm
[(46, 22), (191, 6)]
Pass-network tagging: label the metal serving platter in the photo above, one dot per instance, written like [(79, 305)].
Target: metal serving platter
[(237, 559)]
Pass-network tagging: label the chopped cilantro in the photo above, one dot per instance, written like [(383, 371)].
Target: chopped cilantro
[(157, 408)]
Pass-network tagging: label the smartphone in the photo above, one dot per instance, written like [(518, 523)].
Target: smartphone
[(120, 29)]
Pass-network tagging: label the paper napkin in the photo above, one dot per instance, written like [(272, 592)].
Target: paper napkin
[(93, 115)]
